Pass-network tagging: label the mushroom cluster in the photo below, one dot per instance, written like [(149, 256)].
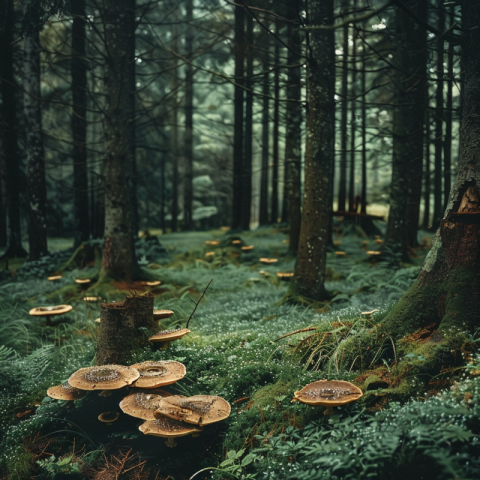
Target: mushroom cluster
[(166, 415)]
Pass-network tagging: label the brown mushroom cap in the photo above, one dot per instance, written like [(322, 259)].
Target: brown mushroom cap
[(50, 311), (246, 248), (108, 417), (328, 393), (159, 314), (82, 281), (103, 377), (158, 374), (65, 392), (152, 283), (92, 299), (198, 410), (212, 242), (167, 428), (284, 275), (268, 260), (143, 403), (169, 335), (54, 277)]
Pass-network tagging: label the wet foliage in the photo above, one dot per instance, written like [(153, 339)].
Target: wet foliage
[(418, 416)]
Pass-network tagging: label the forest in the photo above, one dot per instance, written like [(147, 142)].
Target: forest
[(239, 239)]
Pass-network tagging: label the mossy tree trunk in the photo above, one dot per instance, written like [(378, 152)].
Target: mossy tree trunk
[(122, 328), (119, 259), (447, 291), (315, 232)]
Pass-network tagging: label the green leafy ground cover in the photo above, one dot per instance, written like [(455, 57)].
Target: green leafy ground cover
[(418, 418)]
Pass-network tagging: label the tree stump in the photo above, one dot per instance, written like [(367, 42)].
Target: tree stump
[(124, 327)]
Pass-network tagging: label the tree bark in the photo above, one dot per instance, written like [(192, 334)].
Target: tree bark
[(315, 232), (9, 110), (78, 67), (248, 149), (119, 260), (438, 206), (188, 179), (426, 183), (293, 137), (447, 291), (263, 213), (276, 126), (409, 79), (342, 187), (238, 142), (37, 215), (121, 330), (352, 202)]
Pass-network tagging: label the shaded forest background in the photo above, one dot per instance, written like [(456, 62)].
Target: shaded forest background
[(215, 105)]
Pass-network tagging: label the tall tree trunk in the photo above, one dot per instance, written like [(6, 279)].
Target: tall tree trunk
[(3, 193), (188, 180), (447, 291), (9, 110), (238, 142), (438, 206), (315, 232), (293, 137), (407, 128), (447, 153), (427, 182), (248, 155), (352, 202), (263, 213), (119, 260), (342, 187), (174, 153), (79, 125), (276, 126), (363, 207), (37, 215), (132, 137)]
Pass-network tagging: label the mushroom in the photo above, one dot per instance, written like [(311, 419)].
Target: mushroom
[(158, 374), (108, 417), (54, 277), (340, 253), (247, 248), (284, 275), (268, 260), (264, 273), (236, 242), (167, 336), (65, 392), (143, 403), (328, 393), (160, 314), (168, 428), (212, 242), (210, 254), (49, 312), (199, 410), (103, 377), (91, 299), (152, 283), (82, 281), (374, 252)]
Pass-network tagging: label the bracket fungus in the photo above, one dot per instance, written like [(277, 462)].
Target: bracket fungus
[(49, 312), (284, 276), (166, 336), (168, 428), (160, 314), (328, 393), (103, 377), (268, 260), (199, 410), (158, 374), (65, 392), (54, 277), (143, 403), (82, 281)]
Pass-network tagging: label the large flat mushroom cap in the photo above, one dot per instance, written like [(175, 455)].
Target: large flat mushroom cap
[(166, 427), (143, 403), (328, 393), (103, 377), (169, 335), (50, 311), (158, 374), (198, 410), (65, 392), (160, 314)]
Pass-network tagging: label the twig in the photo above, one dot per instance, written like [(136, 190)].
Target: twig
[(196, 304), (296, 331)]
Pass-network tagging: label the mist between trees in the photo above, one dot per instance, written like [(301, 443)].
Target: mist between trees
[(190, 115)]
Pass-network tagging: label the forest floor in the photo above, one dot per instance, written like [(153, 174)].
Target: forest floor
[(409, 423)]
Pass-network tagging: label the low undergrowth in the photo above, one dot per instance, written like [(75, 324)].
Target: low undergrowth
[(418, 416)]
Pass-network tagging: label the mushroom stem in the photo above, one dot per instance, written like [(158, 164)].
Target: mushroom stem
[(48, 321), (170, 442), (164, 345), (328, 410)]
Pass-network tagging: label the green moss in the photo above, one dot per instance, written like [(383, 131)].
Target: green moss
[(267, 395)]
